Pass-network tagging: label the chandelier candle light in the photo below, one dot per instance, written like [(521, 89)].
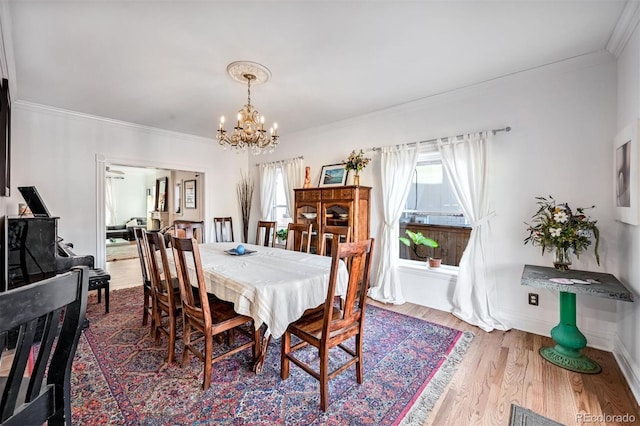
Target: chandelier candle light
[(249, 131)]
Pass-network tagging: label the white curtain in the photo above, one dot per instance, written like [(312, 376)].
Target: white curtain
[(466, 163), (268, 175), (397, 167), (292, 177), (110, 202)]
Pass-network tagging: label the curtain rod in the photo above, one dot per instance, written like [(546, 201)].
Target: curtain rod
[(281, 161), (494, 131)]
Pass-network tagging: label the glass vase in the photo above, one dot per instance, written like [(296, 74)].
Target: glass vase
[(356, 180), (562, 259)]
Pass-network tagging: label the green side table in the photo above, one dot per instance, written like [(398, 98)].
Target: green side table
[(568, 338)]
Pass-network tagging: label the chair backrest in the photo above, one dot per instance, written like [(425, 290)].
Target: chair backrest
[(159, 268), (24, 400), (186, 251), (142, 255), (266, 233), (358, 254), (299, 237), (223, 228), (330, 232), (189, 229)]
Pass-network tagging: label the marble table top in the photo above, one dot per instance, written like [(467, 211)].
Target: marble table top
[(579, 282)]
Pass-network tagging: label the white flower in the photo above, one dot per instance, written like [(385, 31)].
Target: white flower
[(560, 217), (555, 232)]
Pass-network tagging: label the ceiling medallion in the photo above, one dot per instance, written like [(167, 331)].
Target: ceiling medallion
[(249, 133)]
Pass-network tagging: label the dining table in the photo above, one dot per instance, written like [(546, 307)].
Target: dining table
[(269, 284)]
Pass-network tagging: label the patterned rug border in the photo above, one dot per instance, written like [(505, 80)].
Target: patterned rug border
[(420, 408)]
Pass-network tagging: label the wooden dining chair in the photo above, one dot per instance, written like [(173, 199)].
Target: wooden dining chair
[(58, 304), (329, 232), (189, 229), (223, 229), (147, 309), (299, 237), (266, 233), (329, 326), (210, 316), (166, 301)]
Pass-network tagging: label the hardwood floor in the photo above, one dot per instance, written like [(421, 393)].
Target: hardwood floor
[(501, 368)]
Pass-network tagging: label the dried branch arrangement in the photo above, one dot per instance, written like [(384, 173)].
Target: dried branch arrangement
[(245, 194)]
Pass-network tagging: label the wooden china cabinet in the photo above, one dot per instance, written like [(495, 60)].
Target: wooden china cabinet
[(340, 205)]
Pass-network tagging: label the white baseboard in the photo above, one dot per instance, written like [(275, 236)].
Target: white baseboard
[(599, 339), (627, 366)]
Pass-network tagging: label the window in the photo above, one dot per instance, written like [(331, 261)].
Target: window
[(280, 209), (433, 209)]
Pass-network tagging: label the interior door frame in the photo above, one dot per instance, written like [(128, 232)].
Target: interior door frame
[(102, 161)]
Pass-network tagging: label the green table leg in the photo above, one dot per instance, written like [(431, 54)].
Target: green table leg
[(569, 340)]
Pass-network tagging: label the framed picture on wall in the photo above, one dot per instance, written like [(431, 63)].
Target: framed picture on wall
[(189, 194), (333, 175), (626, 162)]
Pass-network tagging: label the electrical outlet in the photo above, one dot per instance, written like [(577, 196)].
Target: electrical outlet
[(533, 299)]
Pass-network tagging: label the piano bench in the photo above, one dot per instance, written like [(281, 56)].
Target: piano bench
[(99, 280)]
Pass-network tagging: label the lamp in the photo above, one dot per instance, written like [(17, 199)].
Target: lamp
[(249, 131)]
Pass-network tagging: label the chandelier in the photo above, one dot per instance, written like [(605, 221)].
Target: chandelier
[(249, 132)]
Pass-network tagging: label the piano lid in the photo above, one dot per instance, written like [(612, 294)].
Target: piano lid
[(34, 201)]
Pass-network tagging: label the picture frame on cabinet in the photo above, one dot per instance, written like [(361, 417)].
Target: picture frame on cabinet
[(626, 166), (333, 175)]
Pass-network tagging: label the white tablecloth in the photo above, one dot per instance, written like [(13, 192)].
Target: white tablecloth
[(273, 286)]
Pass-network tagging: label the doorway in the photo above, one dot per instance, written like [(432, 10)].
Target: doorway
[(127, 191)]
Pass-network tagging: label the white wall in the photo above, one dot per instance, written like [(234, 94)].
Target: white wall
[(627, 237), (563, 119), (130, 194), (60, 152)]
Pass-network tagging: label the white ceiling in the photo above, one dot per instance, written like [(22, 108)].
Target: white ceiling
[(163, 63)]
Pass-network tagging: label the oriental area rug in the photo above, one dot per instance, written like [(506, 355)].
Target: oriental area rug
[(120, 377)]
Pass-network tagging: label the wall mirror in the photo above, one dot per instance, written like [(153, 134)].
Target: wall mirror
[(161, 194)]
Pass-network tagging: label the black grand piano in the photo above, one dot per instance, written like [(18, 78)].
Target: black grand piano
[(34, 251)]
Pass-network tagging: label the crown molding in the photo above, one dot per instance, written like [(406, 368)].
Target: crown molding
[(626, 25), (31, 106)]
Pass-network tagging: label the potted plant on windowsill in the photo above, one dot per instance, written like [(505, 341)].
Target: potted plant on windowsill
[(281, 235), (420, 240)]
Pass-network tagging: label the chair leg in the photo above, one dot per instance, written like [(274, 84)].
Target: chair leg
[(359, 369), (186, 342), (99, 294), (284, 361), (208, 361), (172, 339), (257, 342), (106, 298), (147, 305), (324, 379), (157, 323)]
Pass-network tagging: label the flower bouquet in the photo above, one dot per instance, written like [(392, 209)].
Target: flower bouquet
[(356, 162), (556, 226)]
